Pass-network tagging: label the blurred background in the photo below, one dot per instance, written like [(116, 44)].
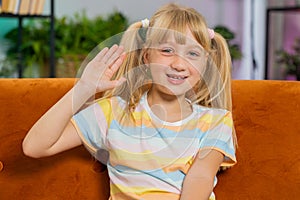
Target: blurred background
[(263, 35)]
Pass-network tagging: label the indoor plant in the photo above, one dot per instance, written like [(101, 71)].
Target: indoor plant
[(291, 60), (234, 49), (75, 37)]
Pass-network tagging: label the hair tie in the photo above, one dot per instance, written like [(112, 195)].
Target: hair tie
[(145, 23), (211, 33)]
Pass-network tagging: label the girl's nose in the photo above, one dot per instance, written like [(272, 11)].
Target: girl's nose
[(178, 63)]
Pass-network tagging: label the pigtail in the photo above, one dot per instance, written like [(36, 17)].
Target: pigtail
[(214, 88), (222, 59), (133, 68)]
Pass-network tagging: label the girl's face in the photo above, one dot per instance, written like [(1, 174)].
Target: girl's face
[(176, 67)]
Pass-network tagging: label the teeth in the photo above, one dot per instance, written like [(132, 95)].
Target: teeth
[(176, 77)]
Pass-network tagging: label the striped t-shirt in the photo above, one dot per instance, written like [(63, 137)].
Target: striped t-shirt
[(146, 157)]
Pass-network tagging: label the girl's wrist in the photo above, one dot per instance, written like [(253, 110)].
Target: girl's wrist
[(84, 89)]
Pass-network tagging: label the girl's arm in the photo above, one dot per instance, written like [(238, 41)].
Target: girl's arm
[(53, 132), (199, 181)]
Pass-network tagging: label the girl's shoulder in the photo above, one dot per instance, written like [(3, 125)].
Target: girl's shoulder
[(203, 110), (214, 116)]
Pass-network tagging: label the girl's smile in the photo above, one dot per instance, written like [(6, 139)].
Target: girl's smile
[(176, 79)]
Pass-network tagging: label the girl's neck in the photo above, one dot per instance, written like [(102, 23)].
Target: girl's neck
[(170, 108)]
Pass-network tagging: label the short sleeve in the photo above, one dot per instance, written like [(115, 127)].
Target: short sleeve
[(219, 136), (92, 125)]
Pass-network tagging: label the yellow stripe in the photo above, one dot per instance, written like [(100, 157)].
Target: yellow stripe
[(228, 119), (106, 108), (116, 188)]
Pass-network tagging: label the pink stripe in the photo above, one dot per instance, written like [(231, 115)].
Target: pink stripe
[(101, 120)]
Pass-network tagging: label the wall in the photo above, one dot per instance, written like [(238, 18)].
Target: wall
[(253, 40), (227, 12), (216, 11)]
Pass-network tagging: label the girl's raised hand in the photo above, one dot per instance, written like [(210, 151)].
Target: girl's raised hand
[(97, 75)]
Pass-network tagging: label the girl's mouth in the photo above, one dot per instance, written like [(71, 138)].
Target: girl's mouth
[(176, 79)]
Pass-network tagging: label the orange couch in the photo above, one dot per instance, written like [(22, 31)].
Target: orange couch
[(267, 121)]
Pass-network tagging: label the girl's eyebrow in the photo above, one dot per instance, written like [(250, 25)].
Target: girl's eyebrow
[(192, 46), (196, 46), (165, 42)]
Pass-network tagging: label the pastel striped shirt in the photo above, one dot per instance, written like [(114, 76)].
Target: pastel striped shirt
[(146, 157)]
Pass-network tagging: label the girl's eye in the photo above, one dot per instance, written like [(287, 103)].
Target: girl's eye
[(194, 54), (167, 51)]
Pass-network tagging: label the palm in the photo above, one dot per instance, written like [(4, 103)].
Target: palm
[(100, 70)]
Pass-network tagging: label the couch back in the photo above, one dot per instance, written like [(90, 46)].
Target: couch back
[(267, 122)]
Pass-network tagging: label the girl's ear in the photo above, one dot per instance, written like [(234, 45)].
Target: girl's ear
[(146, 57)]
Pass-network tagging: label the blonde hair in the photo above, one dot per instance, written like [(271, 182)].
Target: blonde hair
[(212, 90)]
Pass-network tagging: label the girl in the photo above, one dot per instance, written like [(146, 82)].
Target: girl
[(164, 121)]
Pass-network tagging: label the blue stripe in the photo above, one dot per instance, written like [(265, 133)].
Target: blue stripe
[(214, 143), (85, 129)]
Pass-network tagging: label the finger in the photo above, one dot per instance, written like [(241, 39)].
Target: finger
[(115, 56), (101, 54), (115, 66), (109, 53), (109, 72)]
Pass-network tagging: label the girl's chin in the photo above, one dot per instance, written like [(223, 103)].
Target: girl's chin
[(171, 91)]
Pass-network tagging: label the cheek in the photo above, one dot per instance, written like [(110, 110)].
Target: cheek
[(197, 68), (157, 69), (155, 56)]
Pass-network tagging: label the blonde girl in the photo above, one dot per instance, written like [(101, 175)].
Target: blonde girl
[(164, 119)]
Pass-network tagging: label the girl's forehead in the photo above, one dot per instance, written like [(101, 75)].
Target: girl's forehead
[(182, 40), (170, 35)]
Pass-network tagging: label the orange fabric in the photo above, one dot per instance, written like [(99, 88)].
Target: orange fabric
[(1, 166), (69, 175), (267, 122)]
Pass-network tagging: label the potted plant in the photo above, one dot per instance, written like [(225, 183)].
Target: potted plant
[(291, 60), (234, 49), (75, 37)]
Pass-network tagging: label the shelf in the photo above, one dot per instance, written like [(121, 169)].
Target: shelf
[(10, 15)]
